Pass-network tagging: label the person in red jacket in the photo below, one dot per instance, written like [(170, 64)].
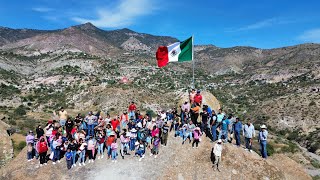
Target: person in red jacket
[(132, 109), (42, 148), (115, 123), (198, 98)]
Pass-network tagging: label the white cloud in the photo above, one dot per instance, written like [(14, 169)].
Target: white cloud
[(264, 23), (123, 14), (42, 9), (312, 35)]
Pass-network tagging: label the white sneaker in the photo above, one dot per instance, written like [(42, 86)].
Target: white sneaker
[(197, 147), (58, 161), (140, 159), (250, 150), (74, 165), (45, 164), (193, 147), (115, 161), (246, 149), (102, 157), (155, 156), (151, 154), (142, 156), (89, 161), (53, 163), (41, 165), (98, 157), (92, 161), (29, 160), (79, 164), (83, 164)]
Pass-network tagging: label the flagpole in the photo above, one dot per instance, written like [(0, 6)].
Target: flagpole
[(193, 85)]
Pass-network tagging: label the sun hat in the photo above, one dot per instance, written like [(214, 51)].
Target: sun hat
[(219, 141), (263, 127), (133, 130)]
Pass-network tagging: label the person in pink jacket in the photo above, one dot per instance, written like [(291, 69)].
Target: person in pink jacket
[(196, 136), (114, 148)]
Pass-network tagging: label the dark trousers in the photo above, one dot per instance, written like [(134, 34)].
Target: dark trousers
[(194, 118), (237, 136), (90, 154), (69, 163), (43, 157), (248, 144), (164, 139), (195, 141)]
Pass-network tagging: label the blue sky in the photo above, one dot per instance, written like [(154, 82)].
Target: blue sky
[(224, 23)]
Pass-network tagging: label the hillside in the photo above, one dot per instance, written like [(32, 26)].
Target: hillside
[(175, 161), (82, 68)]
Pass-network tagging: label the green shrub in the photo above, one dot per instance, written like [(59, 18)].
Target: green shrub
[(151, 112), (21, 145), (270, 149), (315, 163), (290, 148), (20, 111)]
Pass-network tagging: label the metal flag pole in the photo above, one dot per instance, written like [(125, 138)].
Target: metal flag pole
[(193, 85)]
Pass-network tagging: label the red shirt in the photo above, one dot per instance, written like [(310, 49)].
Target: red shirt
[(43, 147), (74, 130), (198, 98), (110, 141), (132, 107), (114, 124)]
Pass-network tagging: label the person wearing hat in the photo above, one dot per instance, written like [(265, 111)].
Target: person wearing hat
[(249, 133), (196, 136), (133, 138), (63, 115), (30, 140), (262, 139), (198, 98), (140, 149), (217, 151)]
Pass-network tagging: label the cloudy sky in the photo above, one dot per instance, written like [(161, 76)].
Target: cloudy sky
[(224, 23)]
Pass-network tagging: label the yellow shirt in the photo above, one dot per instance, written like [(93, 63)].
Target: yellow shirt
[(63, 115)]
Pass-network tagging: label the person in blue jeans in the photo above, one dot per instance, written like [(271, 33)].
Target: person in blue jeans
[(262, 139), (73, 149), (237, 128), (249, 133), (224, 129), (91, 122), (213, 123)]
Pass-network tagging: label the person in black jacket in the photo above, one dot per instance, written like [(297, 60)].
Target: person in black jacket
[(69, 125), (73, 146), (39, 131)]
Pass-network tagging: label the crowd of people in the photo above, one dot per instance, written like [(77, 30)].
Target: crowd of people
[(87, 138)]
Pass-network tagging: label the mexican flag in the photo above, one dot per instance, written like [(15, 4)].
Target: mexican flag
[(176, 52)]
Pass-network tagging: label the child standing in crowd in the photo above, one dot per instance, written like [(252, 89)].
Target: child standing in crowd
[(155, 148), (82, 151), (196, 136), (91, 148), (124, 146), (101, 140), (69, 158), (110, 140), (114, 148)]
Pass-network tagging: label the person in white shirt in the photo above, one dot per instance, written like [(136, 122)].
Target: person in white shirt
[(217, 150)]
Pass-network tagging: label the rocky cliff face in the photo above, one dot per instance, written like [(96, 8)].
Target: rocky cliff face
[(6, 146)]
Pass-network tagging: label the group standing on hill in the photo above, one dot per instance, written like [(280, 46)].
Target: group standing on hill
[(93, 137)]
